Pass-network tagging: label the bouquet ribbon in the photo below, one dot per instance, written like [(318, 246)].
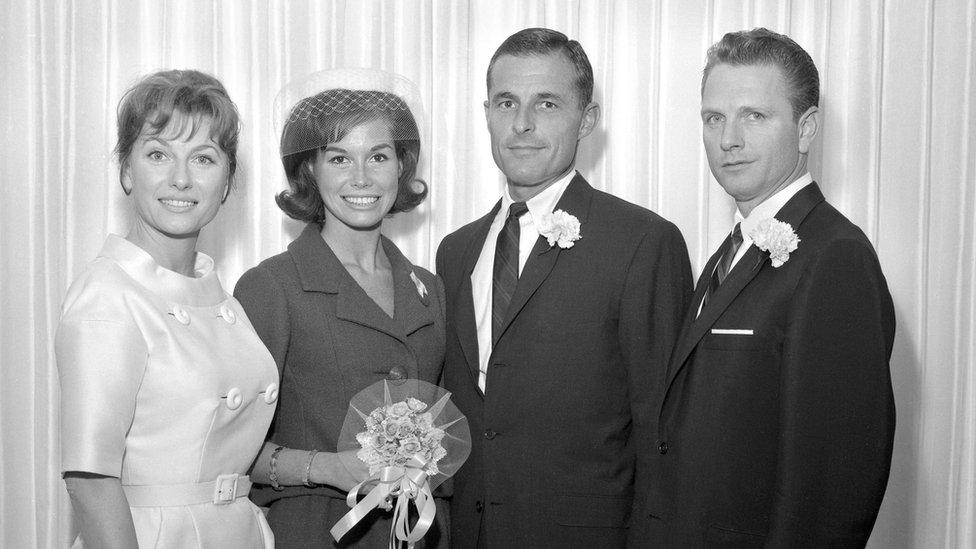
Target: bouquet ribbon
[(404, 483)]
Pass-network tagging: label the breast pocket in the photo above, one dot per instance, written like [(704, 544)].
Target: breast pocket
[(734, 339), (740, 355)]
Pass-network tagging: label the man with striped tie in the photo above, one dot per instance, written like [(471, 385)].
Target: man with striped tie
[(563, 306), (777, 422)]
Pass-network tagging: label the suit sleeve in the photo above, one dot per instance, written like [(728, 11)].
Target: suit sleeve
[(837, 416), (656, 295), (266, 306)]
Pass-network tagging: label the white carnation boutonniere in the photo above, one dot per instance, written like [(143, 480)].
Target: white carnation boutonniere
[(560, 228), (777, 238)]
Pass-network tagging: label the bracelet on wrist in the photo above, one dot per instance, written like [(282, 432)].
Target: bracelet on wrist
[(308, 469), (273, 470)]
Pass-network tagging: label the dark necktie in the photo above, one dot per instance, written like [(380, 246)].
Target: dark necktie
[(505, 271), (724, 265)]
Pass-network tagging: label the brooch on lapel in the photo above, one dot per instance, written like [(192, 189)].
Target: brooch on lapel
[(421, 289), (560, 228), (776, 238)]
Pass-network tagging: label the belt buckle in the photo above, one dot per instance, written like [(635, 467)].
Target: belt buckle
[(225, 489)]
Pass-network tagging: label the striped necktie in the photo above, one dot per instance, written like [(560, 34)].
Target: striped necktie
[(724, 265), (506, 268)]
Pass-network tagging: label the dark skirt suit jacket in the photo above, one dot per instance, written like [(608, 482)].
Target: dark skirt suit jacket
[(330, 341), (782, 438), (572, 383)]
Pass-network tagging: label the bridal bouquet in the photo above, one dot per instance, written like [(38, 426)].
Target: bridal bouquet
[(396, 433), (413, 438)]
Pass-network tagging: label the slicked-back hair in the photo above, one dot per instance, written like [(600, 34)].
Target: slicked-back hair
[(541, 41), (151, 104), (303, 200), (761, 46)]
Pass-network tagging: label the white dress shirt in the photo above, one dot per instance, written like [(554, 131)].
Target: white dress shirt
[(481, 278), (765, 210)]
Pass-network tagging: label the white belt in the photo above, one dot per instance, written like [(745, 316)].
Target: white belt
[(222, 491)]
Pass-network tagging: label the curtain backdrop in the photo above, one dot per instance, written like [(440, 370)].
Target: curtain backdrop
[(896, 154)]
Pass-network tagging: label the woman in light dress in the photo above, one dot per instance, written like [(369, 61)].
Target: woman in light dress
[(166, 390)]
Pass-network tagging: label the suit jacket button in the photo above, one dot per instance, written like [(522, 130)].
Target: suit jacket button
[(663, 448), (478, 506), (490, 434), (396, 373)]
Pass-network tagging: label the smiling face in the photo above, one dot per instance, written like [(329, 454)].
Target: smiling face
[(753, 144), (358, 176), (535, 120), (176, 180)]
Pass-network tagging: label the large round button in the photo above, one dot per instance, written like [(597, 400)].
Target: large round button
[(396, 373), (181, 315), (271, 393), (234, 398), (490, 434), (663, 448), (478, 506), (227, 314)]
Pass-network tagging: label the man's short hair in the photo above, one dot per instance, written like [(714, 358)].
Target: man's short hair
[(540, 41), (762, 46)]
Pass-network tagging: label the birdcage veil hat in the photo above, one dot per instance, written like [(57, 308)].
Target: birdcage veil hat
[(307, 111)]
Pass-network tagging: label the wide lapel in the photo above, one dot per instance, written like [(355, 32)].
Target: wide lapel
[(692, 313), (321, 271), (754, 260), (314, 261), (412, 300), (464, 319), (575, 201)]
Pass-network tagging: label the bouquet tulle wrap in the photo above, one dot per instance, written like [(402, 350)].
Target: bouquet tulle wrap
[(412, 438)]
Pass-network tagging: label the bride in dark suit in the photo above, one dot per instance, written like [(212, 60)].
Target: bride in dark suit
[(342, 308)]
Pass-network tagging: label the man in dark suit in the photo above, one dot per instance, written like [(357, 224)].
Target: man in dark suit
[(558, 333), (777, 422)]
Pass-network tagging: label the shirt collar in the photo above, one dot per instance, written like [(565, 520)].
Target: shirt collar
[(769, 207), (544, 202)]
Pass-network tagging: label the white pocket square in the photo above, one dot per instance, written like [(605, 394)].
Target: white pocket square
[(723, 331)]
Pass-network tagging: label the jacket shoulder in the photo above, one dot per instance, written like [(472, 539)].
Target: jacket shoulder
[(453, 246), (277, 263), (461, 236), (275, 269), (825, 226), (627, 217)]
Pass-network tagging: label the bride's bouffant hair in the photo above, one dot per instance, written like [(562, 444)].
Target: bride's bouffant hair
[(302, 201), (152, 103)]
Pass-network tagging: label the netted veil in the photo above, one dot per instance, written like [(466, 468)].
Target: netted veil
[(305, 110)]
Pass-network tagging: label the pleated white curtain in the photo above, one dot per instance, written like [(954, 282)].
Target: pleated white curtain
[(896, 155)]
